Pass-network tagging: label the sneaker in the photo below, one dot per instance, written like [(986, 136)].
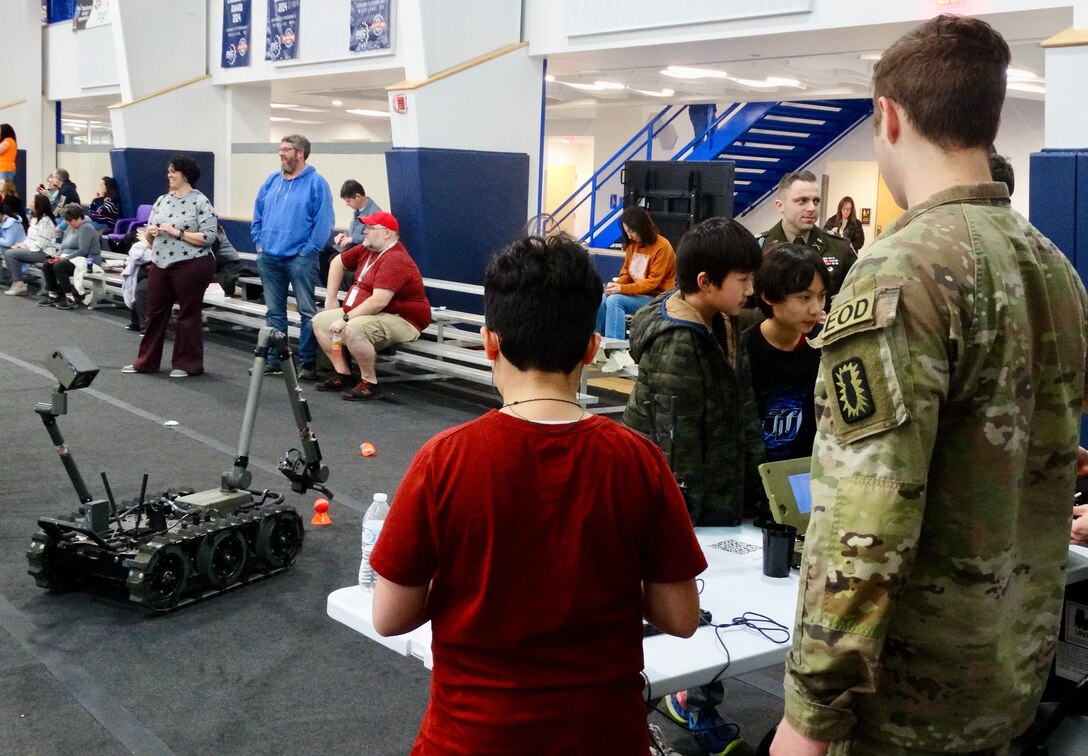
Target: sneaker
[(179, 374), (307, 373), (617, 361), (270, 369), (17, 290), (50, 300), (675, 710), (66, 304), (360, 392), (129, 369), (600, 357), (716, 736), (337, 382), (713, 734)]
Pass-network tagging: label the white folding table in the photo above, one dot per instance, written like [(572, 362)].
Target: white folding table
[(733, 584)]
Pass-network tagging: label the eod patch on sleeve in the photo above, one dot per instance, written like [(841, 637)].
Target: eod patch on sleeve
[(865, 359)]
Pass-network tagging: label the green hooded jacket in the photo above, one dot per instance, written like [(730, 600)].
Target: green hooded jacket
[(710, 430)]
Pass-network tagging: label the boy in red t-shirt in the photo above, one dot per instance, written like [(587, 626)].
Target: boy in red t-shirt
[(536, 538)]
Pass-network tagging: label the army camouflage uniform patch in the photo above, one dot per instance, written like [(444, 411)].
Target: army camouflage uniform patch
[(852, 390), (865, 361)]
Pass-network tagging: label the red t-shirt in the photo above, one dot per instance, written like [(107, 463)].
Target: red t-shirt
[(538, 538), (394, 270)]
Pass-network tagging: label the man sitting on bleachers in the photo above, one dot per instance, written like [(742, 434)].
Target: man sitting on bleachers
[(385, 305)]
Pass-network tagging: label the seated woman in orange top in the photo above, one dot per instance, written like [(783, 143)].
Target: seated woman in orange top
[(8, 150), (649, 269)]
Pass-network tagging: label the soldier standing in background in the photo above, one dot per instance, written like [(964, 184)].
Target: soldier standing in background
[(798, 199), (948, 402)]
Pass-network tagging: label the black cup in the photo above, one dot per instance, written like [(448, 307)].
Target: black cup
[(778, 543)]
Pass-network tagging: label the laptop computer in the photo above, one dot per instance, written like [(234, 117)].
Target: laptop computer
[(787, 484)]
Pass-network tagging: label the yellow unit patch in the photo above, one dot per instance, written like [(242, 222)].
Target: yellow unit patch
[(852, 391)]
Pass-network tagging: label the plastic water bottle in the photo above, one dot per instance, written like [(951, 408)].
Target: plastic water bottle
[(372, 528), (338, 343)]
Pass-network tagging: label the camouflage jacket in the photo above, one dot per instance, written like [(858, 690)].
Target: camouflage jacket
[(716, 442), (836, 251), (948, 403)]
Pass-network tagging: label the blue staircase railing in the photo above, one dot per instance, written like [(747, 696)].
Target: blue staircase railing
[(765, 140)]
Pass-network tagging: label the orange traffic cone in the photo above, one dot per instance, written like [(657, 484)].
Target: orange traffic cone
[(321, 507)]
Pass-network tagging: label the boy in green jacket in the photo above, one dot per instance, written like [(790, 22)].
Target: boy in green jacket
[(694, 396)]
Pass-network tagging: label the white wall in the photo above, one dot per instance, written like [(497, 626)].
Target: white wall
[(86, 165), (324, 33), (79, 64), (250, 169)]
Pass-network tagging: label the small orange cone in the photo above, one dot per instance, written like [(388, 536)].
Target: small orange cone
[(321, 507), (368, 449)]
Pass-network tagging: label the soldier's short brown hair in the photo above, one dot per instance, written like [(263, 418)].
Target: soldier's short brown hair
[(948, 75), (792, 178)]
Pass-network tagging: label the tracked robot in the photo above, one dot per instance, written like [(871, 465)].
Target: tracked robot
[(181, 545)]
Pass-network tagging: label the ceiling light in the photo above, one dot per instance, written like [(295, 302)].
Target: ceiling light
[(596, 86), (278, 118), (648, 93), (369, 113), (871, 56), (549, 77), (1023, 86), (768, 83), (337, 103), (281, 105), (686, 72), (1020, 74)]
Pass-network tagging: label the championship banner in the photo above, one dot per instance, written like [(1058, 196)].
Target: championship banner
[(91, 13), (281, 37), (236, 33), (370, 25)]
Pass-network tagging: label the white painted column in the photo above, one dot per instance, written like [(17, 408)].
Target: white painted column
[(455, 95), (1066, 71)]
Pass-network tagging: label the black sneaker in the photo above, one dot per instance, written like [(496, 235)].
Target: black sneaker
[(66, 304), (307, 373), (270, 369), (336, 382), (361, 392), (49, 301)]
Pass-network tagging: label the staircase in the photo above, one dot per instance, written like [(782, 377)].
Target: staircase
[(765, 141)]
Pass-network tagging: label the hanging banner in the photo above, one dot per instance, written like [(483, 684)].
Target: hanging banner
[(281, 37), (91, 13), (370, 25), (236, 33)]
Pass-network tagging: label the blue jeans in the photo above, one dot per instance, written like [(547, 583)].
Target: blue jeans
[(300, 272), (613, 312), (7, 175)]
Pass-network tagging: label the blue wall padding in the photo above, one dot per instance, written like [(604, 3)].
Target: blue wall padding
[(240, 235), (455, 208), (607, 265), (1058, 206), (141, 175)]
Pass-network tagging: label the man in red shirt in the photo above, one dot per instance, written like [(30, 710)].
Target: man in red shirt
[(536, 538), (385, 305)]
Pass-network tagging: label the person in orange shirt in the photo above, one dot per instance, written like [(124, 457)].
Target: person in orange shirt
[(649, 269), (8, 150)]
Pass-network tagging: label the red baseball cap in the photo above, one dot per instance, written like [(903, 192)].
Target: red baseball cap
[(381, 218)]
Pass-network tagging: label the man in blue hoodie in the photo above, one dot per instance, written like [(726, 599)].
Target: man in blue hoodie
[(292, 221)]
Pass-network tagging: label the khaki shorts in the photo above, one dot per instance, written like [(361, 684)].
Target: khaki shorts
[(382, 330)]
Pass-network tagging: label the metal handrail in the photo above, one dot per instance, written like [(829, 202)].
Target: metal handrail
[(643, 139)]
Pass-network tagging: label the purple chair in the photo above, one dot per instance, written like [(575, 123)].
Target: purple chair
[(124, 225)]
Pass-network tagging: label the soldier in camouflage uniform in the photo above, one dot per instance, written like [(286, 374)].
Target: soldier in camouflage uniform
[(949, 400), (798, 199)]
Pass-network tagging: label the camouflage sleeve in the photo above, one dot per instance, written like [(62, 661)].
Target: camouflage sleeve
[(883, 376)]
